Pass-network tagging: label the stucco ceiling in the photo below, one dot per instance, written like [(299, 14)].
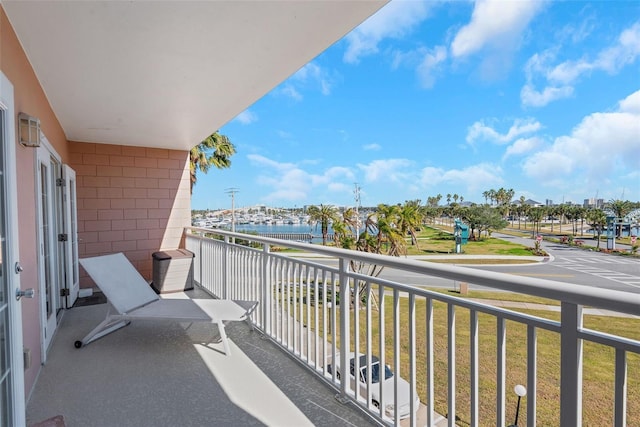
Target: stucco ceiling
[(167, 74)]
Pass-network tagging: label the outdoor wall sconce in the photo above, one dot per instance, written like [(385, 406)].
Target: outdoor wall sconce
[(28, 130)]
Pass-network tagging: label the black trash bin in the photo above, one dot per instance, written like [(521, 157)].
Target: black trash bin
[(172, 271)]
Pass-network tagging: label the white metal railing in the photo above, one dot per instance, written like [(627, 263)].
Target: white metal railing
[(300, 311)]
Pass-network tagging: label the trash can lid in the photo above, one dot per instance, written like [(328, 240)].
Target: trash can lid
[(173, 254)]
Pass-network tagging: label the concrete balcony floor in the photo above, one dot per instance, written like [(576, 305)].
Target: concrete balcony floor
[(161, 374)]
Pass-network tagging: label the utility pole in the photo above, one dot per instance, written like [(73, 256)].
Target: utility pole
[(356, 193), (232, 191)]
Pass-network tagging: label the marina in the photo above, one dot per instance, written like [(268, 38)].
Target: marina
[(286, 227)]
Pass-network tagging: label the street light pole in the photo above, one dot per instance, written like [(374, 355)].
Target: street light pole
[(356, 193), (232, 191)]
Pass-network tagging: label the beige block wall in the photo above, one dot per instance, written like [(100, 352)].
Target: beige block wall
[(133, 200)]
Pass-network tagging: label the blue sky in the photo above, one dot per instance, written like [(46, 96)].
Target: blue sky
[(449, 97)]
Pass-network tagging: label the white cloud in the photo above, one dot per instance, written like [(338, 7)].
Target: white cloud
[(601, 145), (390, 170), (284, 134), (372, 147), (288, 182), (631, 104), (480, 131), (316, 76), (310, 77), (246, 117), (560, 79), (291, 92), (533, 98), (522, 146), (474, 178), (494, 23), (580, 32), (395, 20), (623, 53), (430, 66)]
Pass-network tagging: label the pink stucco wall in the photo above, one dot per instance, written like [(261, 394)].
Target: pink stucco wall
[(31, 99), (130, 199)]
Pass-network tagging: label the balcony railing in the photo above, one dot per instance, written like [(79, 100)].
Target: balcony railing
[(304, 310)]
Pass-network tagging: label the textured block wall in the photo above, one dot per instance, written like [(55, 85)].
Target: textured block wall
[(134, 200)]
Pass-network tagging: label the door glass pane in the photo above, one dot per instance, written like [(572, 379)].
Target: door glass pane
[(5, 371), (46, 256), (72, 231), (57, 227), (5, 414)]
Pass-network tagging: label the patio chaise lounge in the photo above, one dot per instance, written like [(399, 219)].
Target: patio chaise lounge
[(130, 297)]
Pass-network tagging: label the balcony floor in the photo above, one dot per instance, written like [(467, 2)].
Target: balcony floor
[(160, 374)]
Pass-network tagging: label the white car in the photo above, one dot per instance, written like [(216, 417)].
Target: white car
[(404, 389)]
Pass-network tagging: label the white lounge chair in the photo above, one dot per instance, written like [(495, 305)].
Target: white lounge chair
[(130, 297)]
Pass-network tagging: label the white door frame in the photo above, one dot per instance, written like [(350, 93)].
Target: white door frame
[(8, 145), (50, 265), (70, 229)]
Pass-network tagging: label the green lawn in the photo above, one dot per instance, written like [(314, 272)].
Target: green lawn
[(598, 397), (598, 365), (440, 241)]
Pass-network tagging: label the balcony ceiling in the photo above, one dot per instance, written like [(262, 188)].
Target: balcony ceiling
[(167, 74)]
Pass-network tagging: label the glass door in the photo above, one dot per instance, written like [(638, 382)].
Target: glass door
[(5, 343), (51, 265), (12, 402), (70, 239)]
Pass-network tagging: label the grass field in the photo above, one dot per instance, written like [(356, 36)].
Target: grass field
[(598, 398), (598, 363), (440, 241)]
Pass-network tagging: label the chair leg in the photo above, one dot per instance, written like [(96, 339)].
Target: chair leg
[(223, 336), (105, 327)]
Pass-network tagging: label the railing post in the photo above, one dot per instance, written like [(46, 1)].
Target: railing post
[(225, 269), (501, 370), (620, 412), (474, 367), (532, 375), (570, 365), (267, 291), (345, 330), (200, 259), (451, 376)]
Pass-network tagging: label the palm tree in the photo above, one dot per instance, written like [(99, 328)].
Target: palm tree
[(560, 211), (215, 150), (535, 215), (597, 219), (409, 218), (521, 210), (620, 209), (382, 234), (324, 215), (344, 229)]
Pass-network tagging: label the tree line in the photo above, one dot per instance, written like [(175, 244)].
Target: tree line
[(386, 228)]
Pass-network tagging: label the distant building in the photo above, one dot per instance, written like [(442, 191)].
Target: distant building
[(548, 202), (533, 203), (593, 203)]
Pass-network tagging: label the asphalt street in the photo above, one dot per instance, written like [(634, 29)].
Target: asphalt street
[(569, 264)]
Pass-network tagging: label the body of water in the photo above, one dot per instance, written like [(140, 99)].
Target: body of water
[(284, 229)]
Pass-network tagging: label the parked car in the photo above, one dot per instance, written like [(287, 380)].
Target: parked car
[(404, 389)]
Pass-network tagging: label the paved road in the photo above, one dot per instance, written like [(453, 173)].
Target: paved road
[(568, 264), (579, 265)]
